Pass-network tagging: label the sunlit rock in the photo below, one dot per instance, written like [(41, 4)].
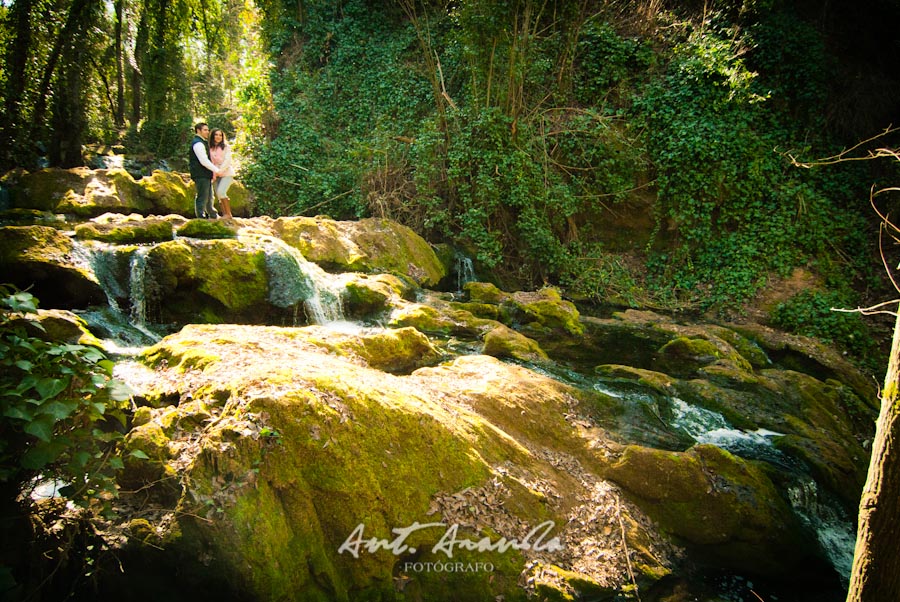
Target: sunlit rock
[(122, 229), (367, 245)]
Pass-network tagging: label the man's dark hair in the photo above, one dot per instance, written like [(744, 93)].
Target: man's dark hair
[(199, 127)]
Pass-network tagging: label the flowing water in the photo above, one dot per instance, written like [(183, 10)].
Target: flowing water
[(316, 297), (465, 271), (294, 280)]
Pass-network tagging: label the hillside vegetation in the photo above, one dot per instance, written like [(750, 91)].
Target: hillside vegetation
[(631, 153), (638, 153)]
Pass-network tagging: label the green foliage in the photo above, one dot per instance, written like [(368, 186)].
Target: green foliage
[(606, 62), (740, 209), (160, 138), (57, 407), (816, 314), (506, 205), (340, 106)]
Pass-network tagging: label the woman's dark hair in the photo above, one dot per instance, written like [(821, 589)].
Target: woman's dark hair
[(212, 139)]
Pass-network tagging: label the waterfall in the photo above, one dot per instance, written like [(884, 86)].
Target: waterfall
[(120, 273), (706, 426), (294, 279), (136, 289), (834, 530), (465, 271)]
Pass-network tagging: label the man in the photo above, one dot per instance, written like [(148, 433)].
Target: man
[(202, 172)]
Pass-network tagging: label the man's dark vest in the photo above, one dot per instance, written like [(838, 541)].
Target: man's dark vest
[(197, 170)]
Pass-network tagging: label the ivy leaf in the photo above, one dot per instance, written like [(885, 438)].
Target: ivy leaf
[(58, 410), (22, 302), (39, 456), (48, 388), (80, 459), (42, 428), (36, 457), (17, 413), (139, 454), (24, 365)]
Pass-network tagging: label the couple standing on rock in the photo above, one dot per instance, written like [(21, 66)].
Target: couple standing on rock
[(211, 170)]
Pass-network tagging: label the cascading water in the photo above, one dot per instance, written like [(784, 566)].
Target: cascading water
[(834, 530), (294, 279), (121, 275), (137, 293), (706, 426), (465, 271)]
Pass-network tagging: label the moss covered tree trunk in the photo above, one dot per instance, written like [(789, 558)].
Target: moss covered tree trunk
[(876, 562)]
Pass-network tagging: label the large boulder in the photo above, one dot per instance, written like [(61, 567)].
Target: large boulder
[(87, 193), (291, 464), (367, 245), (45, 261)]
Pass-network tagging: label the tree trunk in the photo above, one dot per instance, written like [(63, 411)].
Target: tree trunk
[(17, 63), (119, 117), (76, 22), (876, 561)]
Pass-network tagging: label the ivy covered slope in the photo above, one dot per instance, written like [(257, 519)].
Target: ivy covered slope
[(633, 156)]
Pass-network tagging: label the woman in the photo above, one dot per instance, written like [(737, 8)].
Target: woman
[(220, 155)]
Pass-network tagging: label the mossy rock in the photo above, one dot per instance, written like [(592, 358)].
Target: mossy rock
[(168, 192), (368, 245), (310, 445), (544, 312), (485, 292), (45, 189), (42, 259), (488, 311), (725, 507), (503, 341), (440, 320), (56, 325), (105, 191), (218, 280), (555, 584), (684, 355), (369, 295), (748, 349), (811, 357), (146, 455), (396, 350), (89, 193), (130, 230), (207, 229)]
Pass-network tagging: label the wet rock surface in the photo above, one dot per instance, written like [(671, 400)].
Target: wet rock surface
[(301, 394)]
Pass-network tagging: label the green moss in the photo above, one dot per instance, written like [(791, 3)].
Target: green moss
[(487, 311), (485, 292), (34, 243), (558, 584), (748, 349), (713, 499), (45, 189), (365, 297), (545, 312), (506, 342), (368, 245), (134, 232), (167, 192), (232, 275), (207, 228)]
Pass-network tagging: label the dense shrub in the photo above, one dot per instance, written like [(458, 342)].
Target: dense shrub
[(58, 408)]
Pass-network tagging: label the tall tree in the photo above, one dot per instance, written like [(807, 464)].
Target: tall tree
[(119, 44), (876, 561), (17, 54)]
